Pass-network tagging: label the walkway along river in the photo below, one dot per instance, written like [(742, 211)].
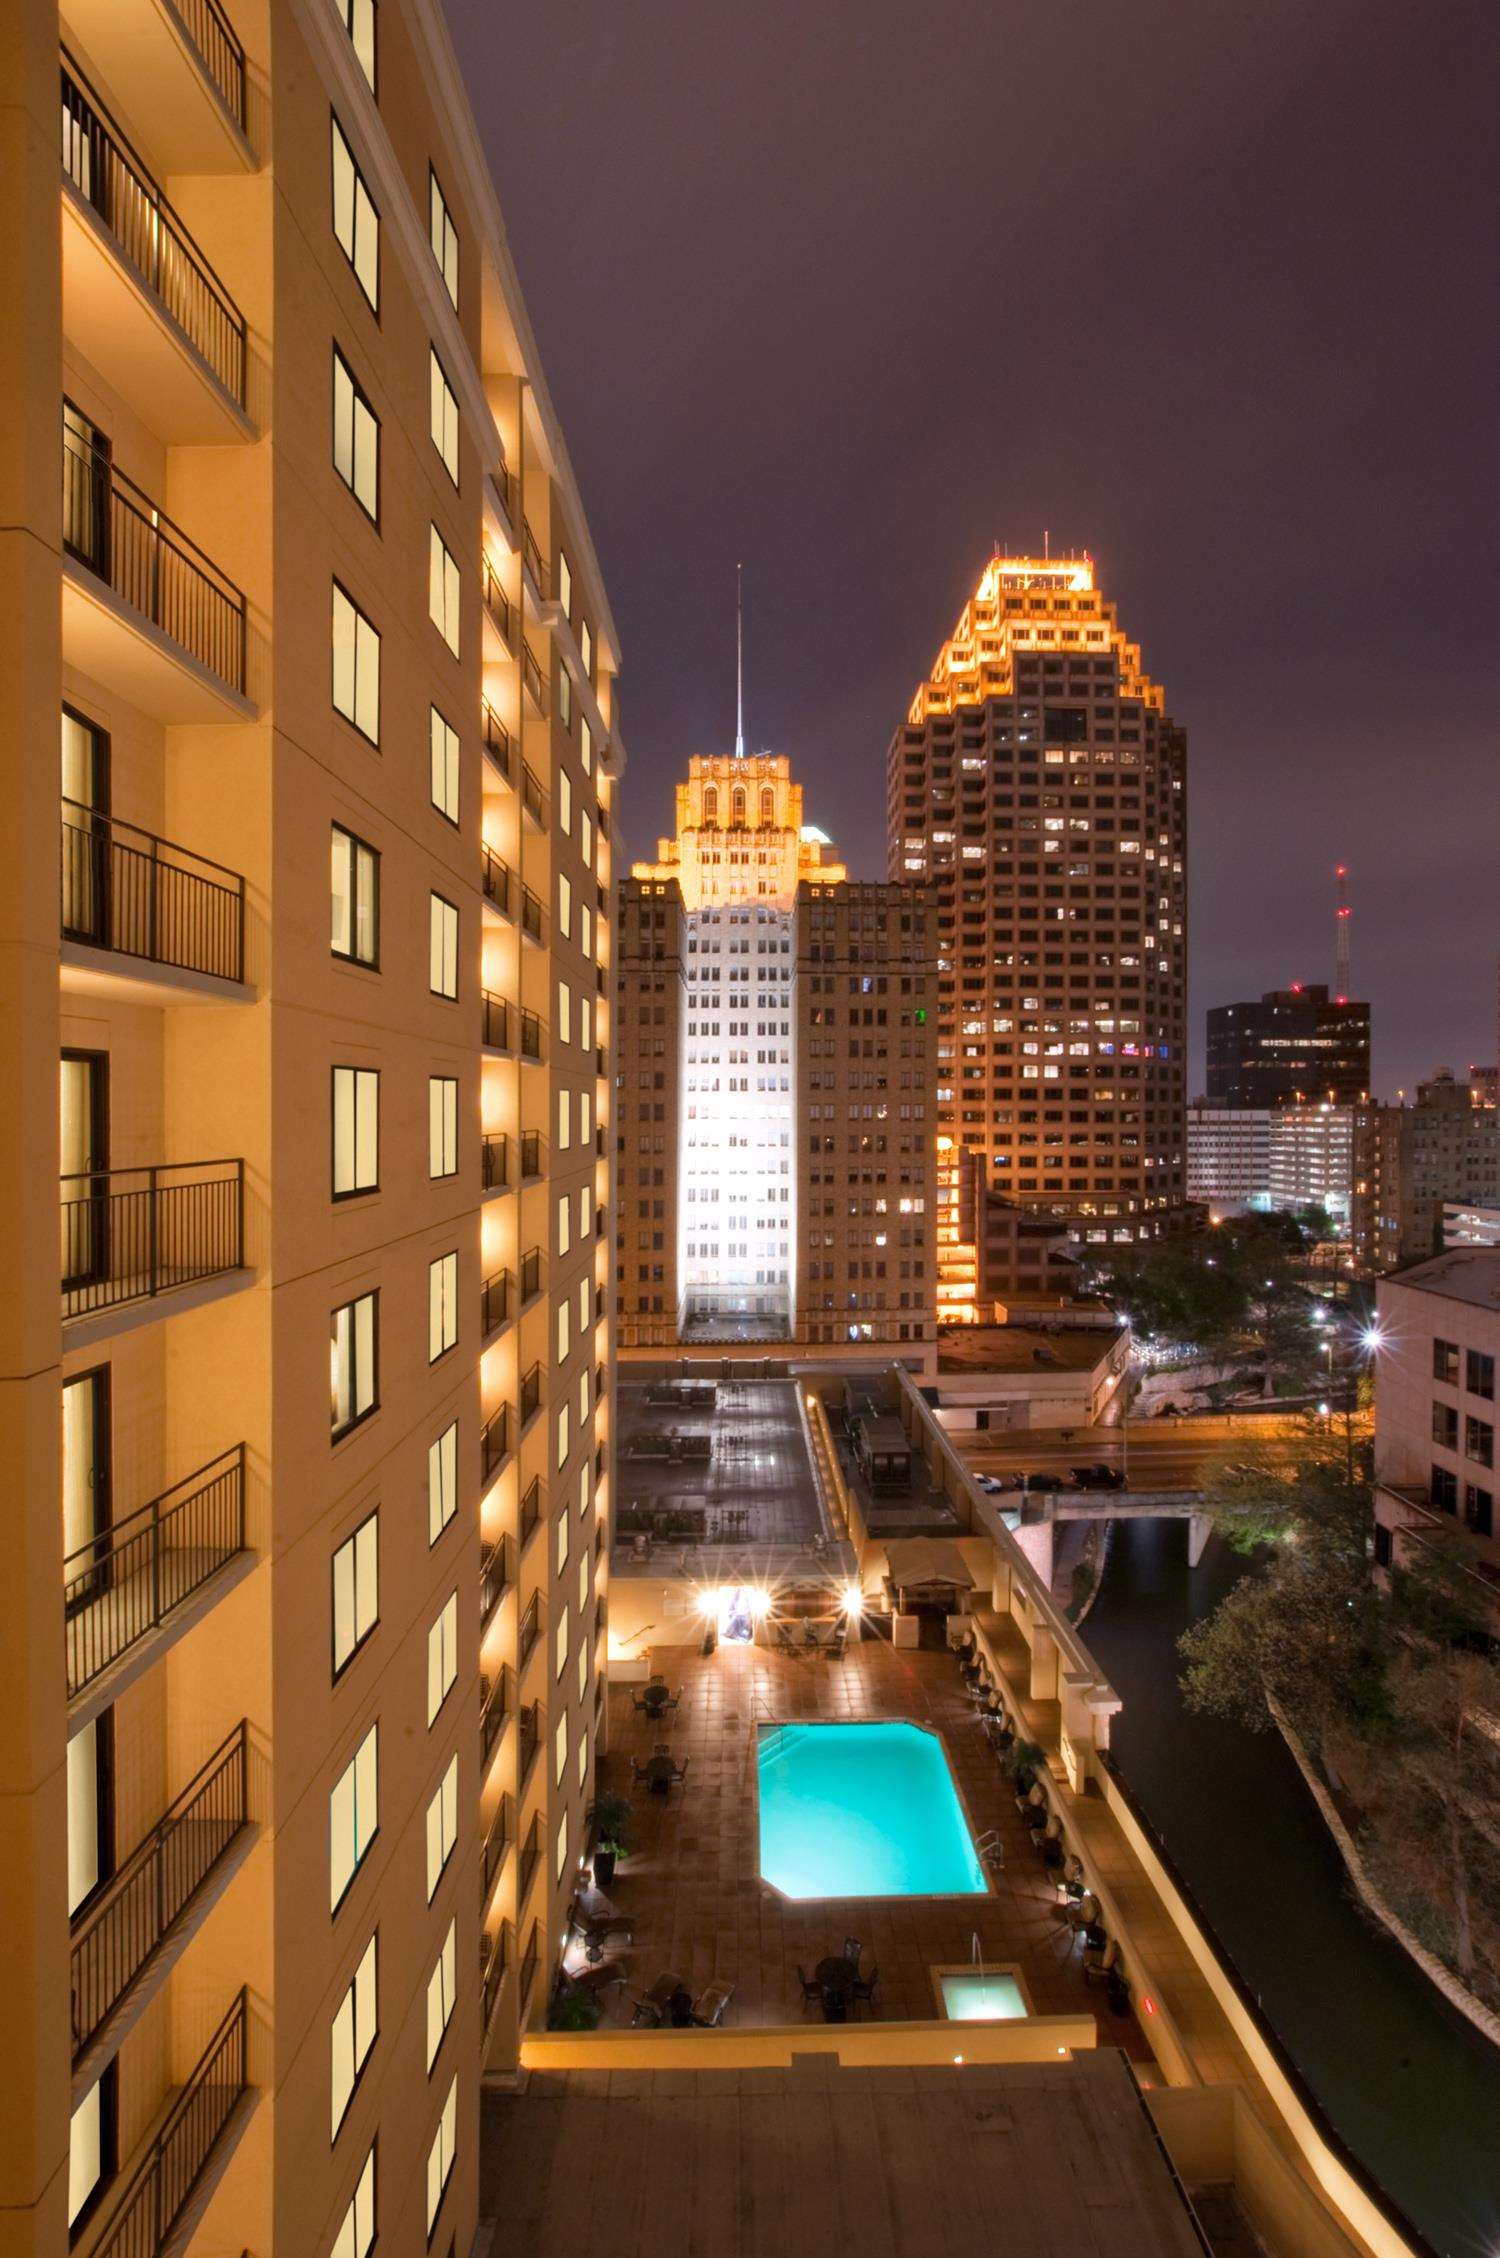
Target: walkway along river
[(1411, 2086)]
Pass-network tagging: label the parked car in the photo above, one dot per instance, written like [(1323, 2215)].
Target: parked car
[(996, 1484), (1041, 1481), (1097, 1476)]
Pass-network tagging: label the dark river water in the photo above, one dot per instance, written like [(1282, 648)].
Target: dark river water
[(1412, 2088)]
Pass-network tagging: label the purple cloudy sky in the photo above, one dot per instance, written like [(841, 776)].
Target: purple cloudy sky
[(850, 291)]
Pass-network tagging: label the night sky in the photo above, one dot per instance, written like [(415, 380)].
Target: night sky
[(850, 292)]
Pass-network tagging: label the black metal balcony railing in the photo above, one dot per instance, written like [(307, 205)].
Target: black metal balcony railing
[(495, 1303), (529, 1632), (496, 1021), (116, 530), (531, 914), (129, 1579), (532, 550), (528, 1739), (219, 51), (531, 1851), (497, 1838), (494, 1160), (533, 798), (505, 486), (495, 878), (129, 1234), (113, 181), (494, 598), (494, 1442), (494, 1708), (162, 2183), (494, 1959), (530, 1960), (531, 1509), (494, 1579), (125, 889), (531, 1153), (531, 675), (531, 1275), (496, 738), (531, 1393), (531, 1035), (117, 1935)]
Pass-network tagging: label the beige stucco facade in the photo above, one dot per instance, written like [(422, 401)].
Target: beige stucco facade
[(332, 981)]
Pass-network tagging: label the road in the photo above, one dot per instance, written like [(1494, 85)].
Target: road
[(1165, 1454)]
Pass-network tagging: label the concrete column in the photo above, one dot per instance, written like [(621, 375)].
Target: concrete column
[(1044, 1673), (1036, 1540), (1199, 1528)]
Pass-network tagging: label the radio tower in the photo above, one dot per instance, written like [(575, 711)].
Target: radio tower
[(1344, 980)]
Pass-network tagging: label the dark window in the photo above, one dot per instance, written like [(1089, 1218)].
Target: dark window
[(1442, 1489), (1445, 1426), (1479, 1510), (1479, 1441), (1479, 1374), (1445, 1362)]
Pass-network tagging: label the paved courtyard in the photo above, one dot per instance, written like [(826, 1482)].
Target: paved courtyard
[(692, 1886)]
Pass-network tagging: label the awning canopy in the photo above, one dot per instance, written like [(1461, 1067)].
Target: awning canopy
[(915, 1564)]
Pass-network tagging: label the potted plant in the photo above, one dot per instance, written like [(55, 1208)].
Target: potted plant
[(1023, 1760), (575, 2010), (610, 1820)]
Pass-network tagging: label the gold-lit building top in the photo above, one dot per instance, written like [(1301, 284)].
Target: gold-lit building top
[(1028, 604), (741, 837)]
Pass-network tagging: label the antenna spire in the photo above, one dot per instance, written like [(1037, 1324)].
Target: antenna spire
[(1343, 968), (739, 662)]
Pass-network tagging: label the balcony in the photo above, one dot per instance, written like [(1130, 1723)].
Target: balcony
[(167, 2190), (500, 497), (144, 610), (127, 893), (497, 1303), (531, 1154), (178, 66), (531, 1512), (134, 1234), (531, 1275), (494, 1960), (533, 798), (494, 1579), (531, 1394), (155, 1899), (497, 1841), (533, 918), (496, 738), (494, 1162), (526, 1638), (530, 1961), (494, 1708), (529, 1740), (531, 675), (137, 1575), (498, 634), (495, 878), (531, 1036), (495, 1443), (139, 296), (495, 1030), (531, 1853), (531, 552)]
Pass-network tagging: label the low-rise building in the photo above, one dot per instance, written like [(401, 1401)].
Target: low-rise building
[(1439, 1347), (1228, 1155), (1409, 1160)]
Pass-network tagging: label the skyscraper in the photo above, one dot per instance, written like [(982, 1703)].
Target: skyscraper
[(1039, 783), (304, 1447), (1297, 1045), (776, 1047)]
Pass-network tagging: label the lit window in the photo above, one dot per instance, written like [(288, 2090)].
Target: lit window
[(354, 2029), (442, 1482), (562, 1843), (585, 743), (442, 1306), (565, 697), (356, 1591), (353, 1816), (564, 799), (444, 746), (440, 2155), (564, 906), (565, 584), (442, 977), (443, 590), (356, 666), (356, 2235), (356, 1131), (356, 439), (442, 1985), (564, 1223), (356, 898), (444, 419), (442, 1657), (353, 1363), (560, 1642), (92, 2146), (359, 22), (560, 1749), (442, 1826), (356, 223), (444, 236), (564, 1121), (442, 1125), (586, 648)]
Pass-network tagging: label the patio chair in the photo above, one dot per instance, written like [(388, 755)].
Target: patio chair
[(679, 1772), (812, 1992), (596, 1925), (865, 1986), (852, 1949), (708, 2008)]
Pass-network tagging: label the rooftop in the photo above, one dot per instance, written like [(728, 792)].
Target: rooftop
[(1007, 2158), (710, 1461), (1467, 1274), (1025, 1348)]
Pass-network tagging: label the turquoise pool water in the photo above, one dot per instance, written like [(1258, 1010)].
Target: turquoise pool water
[(862, 1811)]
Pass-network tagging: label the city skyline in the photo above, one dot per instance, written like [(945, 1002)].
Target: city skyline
[(1257, 439)]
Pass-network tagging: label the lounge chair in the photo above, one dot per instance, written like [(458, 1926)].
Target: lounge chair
[(709, 2006)]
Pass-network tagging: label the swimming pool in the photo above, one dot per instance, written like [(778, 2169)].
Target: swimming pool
[(972, 1996), (866, 1810)]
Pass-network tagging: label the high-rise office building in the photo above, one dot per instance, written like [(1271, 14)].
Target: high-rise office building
[(775, 1057), (1410, 1162), (1040, 785), (304, 1446), (1296, 1045)]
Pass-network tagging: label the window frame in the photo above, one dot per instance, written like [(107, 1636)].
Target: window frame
[(349, 956), (436, 200), (443, 2146), (372, 1732), (361, 619), (444, 1626), (438, 1275), (346, 10), (434, 1536), (441, 560), (353, 2249), (371, 1295), (350, 1545), (452, 763), (360, 398), (447, 1842), (349, 1997), (337, 135), (355, 1191), (436, 901), (438, 374), (449, 1084), (446, 1967)]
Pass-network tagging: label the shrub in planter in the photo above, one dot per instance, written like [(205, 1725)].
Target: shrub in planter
[(610, 1819), (575, 2010)]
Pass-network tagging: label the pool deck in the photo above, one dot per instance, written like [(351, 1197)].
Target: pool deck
[(692, 1884)]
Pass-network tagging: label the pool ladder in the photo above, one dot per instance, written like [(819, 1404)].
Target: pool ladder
[(990, 1848)]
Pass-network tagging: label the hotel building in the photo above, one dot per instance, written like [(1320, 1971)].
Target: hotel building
[(1039, 785), (775, 1059), (307, 1357)]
